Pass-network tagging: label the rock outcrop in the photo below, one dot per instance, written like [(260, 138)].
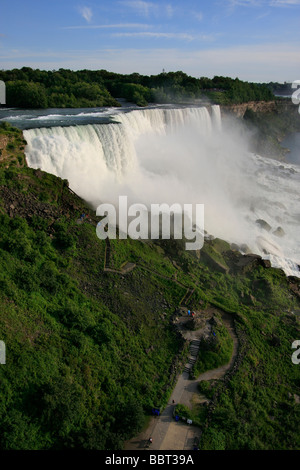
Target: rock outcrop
[(256, 106)]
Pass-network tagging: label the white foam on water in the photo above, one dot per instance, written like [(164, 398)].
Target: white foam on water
[(184, 155)]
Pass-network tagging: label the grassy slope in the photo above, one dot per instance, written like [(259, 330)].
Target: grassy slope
[(89, 352)]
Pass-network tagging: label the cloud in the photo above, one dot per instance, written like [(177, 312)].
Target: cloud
[(198, 15), (245, 3), (145, 34), (263, 15), (86, 13), (284, 3), (141, 7), (263, 3), (170, 11), (259, 63), (110, 26), (146, 9)]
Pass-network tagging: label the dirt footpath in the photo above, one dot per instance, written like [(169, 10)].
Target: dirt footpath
[(167, 434)]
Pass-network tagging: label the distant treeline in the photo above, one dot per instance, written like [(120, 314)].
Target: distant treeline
[(280, 88), (28, 88)]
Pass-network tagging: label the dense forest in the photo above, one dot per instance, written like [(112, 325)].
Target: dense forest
[(28, 88)]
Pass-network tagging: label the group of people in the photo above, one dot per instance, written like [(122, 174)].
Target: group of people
[(84, 216)]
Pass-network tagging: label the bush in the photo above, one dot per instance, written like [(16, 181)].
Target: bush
[(74, 316), (215, 351), (206, 388), (48, 277), (130, 418), (25, 278), (63, 238), (62, 402), (19, 245)]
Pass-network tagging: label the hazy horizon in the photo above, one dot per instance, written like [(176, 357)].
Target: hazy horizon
[(254, 40)]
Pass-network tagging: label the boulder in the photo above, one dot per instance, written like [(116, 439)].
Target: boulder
[(247, 262), (279, 232), (263, 224), (245, 248), (265, 263), (213, 263), (235, 247)]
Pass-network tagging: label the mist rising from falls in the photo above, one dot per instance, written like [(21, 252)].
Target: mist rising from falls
[(187, 155)]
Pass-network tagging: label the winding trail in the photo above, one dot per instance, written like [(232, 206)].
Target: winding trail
[(167, 434), (128, 267)]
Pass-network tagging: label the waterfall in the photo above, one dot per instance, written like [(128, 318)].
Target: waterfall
[(182, 155), (108, 148)]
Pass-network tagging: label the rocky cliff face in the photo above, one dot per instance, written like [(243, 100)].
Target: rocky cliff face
[(269, 122), (256, 106), (261, 107)]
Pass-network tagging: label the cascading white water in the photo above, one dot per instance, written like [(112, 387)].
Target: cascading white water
[(88, 154), (185, 155), (60, 150)]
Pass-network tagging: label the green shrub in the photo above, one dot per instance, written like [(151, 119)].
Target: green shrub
[(206, 388), (19, 245), (49, 277), (25, 278), (215, 351), (63, 238)]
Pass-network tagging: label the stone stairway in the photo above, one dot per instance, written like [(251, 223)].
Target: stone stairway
[(194, 349)]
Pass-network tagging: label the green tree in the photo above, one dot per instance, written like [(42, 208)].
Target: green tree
[(26, 94)]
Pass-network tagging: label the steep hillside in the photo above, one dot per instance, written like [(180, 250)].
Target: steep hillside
[(91, 345)]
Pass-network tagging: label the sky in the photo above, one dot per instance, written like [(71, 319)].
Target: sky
[(254, 40)]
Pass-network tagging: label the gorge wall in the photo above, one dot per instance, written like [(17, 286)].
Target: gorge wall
[(267, 123), (256, 106)]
